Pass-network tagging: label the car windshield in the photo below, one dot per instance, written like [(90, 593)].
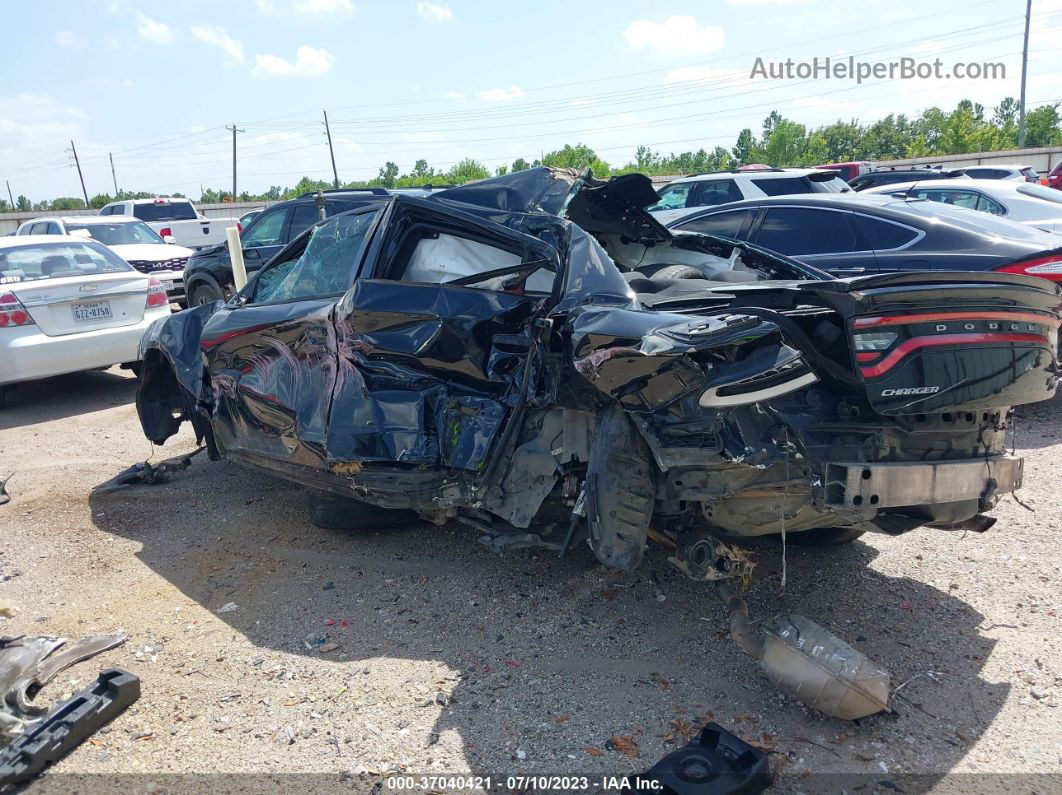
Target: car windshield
[(1040, 192), (163, 210), (57, 260), (118, 234)]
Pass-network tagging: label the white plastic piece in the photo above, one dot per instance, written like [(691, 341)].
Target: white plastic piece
[(239, 270)]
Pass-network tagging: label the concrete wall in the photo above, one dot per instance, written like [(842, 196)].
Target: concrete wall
[(1043, 159)]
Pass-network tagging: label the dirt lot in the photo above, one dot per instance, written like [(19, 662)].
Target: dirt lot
[(444, 657)]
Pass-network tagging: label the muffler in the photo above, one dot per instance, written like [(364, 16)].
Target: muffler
[(808, 662)]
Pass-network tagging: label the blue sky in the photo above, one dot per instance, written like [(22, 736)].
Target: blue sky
[(156, 83)]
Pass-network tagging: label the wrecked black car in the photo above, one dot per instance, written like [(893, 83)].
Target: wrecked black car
[(535, 356)]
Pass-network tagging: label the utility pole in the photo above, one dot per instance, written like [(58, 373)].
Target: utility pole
[(113, 175), (234, 131), (79, 174), (9, 195), (331, 152), (1024, 68)]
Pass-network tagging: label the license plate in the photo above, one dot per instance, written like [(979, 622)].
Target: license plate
[(86, 313), (167, 284)]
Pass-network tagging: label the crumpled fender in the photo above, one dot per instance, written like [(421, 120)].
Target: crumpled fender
[(177, 338), (646, 360)]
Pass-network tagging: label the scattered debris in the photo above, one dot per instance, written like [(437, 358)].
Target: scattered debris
[(228, 607), (4, 496), (716, 762), (147, 473), (8, 609)]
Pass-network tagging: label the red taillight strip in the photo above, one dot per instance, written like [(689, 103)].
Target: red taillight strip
[(904, 348), (867, 356), (930, 317)]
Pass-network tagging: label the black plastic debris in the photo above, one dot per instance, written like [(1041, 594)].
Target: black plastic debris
[(67, 726), (4, 496), (715, 762), (149, 474)]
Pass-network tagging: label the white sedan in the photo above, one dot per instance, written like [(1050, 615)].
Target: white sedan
[(1023, 202), (68, 305), (132, 240)]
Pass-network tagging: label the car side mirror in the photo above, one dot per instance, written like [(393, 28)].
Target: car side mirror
[(169, 239)]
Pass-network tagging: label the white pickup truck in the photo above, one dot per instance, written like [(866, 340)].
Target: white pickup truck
[(174, 218)]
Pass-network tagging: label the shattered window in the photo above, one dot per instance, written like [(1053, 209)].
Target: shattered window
[(325, 267), (673, 197)]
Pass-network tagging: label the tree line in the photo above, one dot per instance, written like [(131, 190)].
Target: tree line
[(781, 142)]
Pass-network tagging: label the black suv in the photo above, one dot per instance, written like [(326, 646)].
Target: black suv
[(208, 274), (890, 176)]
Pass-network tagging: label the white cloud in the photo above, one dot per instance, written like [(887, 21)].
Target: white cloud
[(767, 2), (264, 7), (215, 36), (309, 62), (434, 12), (325, 7), (154, 31), (454, 95), (500, 94), (67, 38), (676, 35)]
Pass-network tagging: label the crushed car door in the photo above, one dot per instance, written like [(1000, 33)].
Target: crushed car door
[(271, 359), (435, 338)]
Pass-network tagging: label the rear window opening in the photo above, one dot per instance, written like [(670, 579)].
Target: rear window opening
[(165, 211)]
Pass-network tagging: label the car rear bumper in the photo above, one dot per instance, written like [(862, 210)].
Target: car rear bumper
[(862, 486), (26, 353)]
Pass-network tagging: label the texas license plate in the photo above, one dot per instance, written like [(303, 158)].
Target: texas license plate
[(86, 313), (167, 285)]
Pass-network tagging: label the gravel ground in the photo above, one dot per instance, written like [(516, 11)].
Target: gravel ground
[(268, 646)]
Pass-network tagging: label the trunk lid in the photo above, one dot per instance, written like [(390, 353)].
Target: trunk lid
[(940, 342), (69, 305)]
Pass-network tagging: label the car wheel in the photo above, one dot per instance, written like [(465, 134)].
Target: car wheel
[(824, 536), (678, 272), (3, 398), (205, 293), (330, 512)]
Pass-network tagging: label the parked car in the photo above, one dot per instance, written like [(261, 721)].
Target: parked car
[(891, 176), (1022, 202), (68, 305), (1018, 172), (850, 170), (686, 195), (132, 240), (245, 219), (1054, 176), (861, 233), (208, 275), (473, 356), (176, 218)]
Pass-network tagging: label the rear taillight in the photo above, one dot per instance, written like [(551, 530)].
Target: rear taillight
[(12, 313), (156, 294), (165, 232), (1049, 267)]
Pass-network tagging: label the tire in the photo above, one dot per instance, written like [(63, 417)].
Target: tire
[(824, 537), (330, 512), (3, 397), (672, 272), (204, 293)]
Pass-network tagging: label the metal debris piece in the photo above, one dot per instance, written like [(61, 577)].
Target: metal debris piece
[(4, 496), (27, 664), (67, 726), (149, 474)]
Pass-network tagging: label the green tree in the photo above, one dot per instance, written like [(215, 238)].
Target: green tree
[(579, 156), (1042, 126), (388, 175), (786, 143), (501, 170), (65, 203), (468, 170), (520, 165), (745, 148), (99, 200)]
